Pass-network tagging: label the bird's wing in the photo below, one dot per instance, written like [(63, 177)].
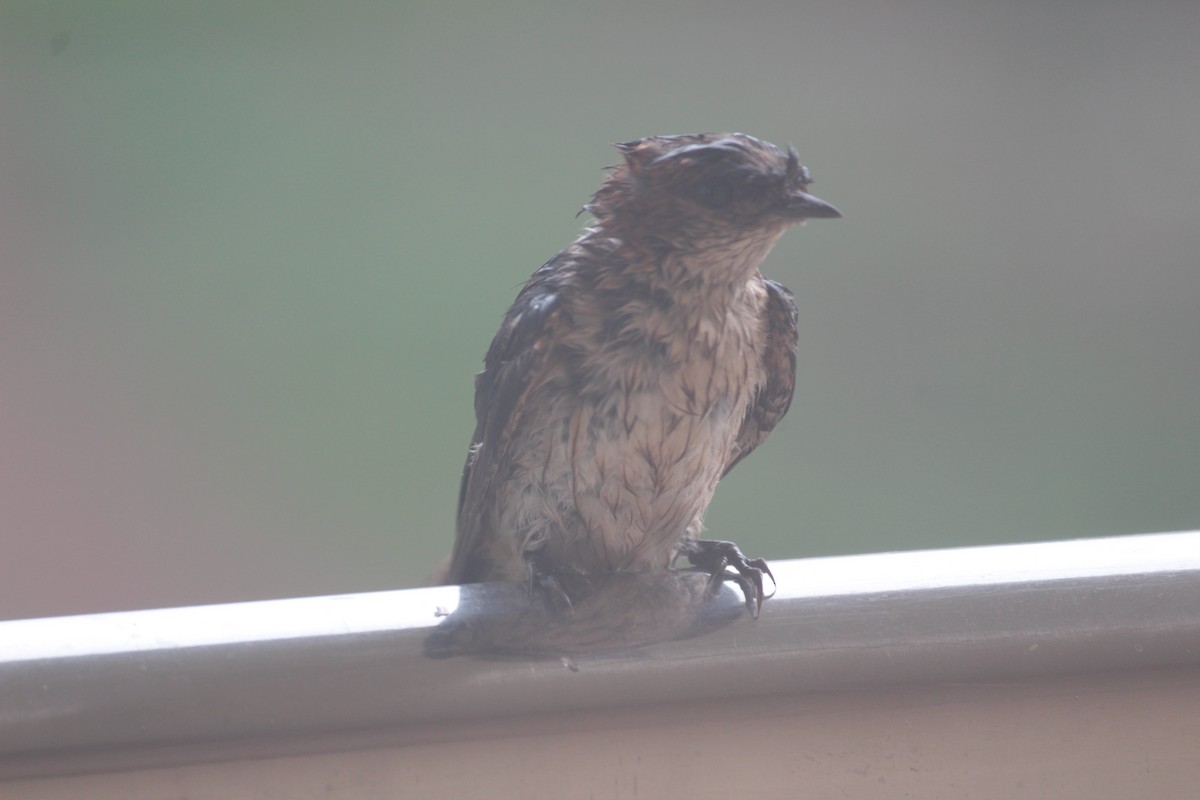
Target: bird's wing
[(774, 396), (512, 366)]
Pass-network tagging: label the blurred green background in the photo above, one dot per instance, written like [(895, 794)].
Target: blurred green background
[(252, 253)]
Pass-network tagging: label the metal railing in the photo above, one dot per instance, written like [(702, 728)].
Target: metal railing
[(409, 672)]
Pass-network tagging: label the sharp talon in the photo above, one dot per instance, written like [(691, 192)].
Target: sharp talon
[(761, 565), (556, 597), (723, 561), (552, 591)]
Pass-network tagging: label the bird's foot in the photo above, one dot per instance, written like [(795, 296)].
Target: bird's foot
[(547, 582), (717, 558)]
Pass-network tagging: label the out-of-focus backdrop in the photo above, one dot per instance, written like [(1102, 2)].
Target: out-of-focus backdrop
[(252, 253)]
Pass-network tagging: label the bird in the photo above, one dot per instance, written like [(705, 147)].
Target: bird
[(634, 370)]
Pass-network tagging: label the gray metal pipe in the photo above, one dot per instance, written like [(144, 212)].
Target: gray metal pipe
[(119, 690)]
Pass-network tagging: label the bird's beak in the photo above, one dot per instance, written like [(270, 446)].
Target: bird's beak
[(802, 205)]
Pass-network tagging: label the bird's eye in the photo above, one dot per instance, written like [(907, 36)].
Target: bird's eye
[(715, 192)]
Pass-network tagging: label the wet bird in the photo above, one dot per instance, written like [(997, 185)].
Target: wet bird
[(635, 369)]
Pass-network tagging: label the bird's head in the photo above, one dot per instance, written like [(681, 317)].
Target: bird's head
[(695, 190)]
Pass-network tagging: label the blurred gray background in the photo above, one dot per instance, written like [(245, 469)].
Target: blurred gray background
[(252, 253)]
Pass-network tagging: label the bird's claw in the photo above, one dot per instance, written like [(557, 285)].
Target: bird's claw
[(553, 593), (717, 558)]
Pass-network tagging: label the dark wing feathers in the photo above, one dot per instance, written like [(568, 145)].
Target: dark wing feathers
[(512, 362), (779, 358)]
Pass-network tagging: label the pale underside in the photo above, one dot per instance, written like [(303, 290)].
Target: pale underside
[(630, 460)]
